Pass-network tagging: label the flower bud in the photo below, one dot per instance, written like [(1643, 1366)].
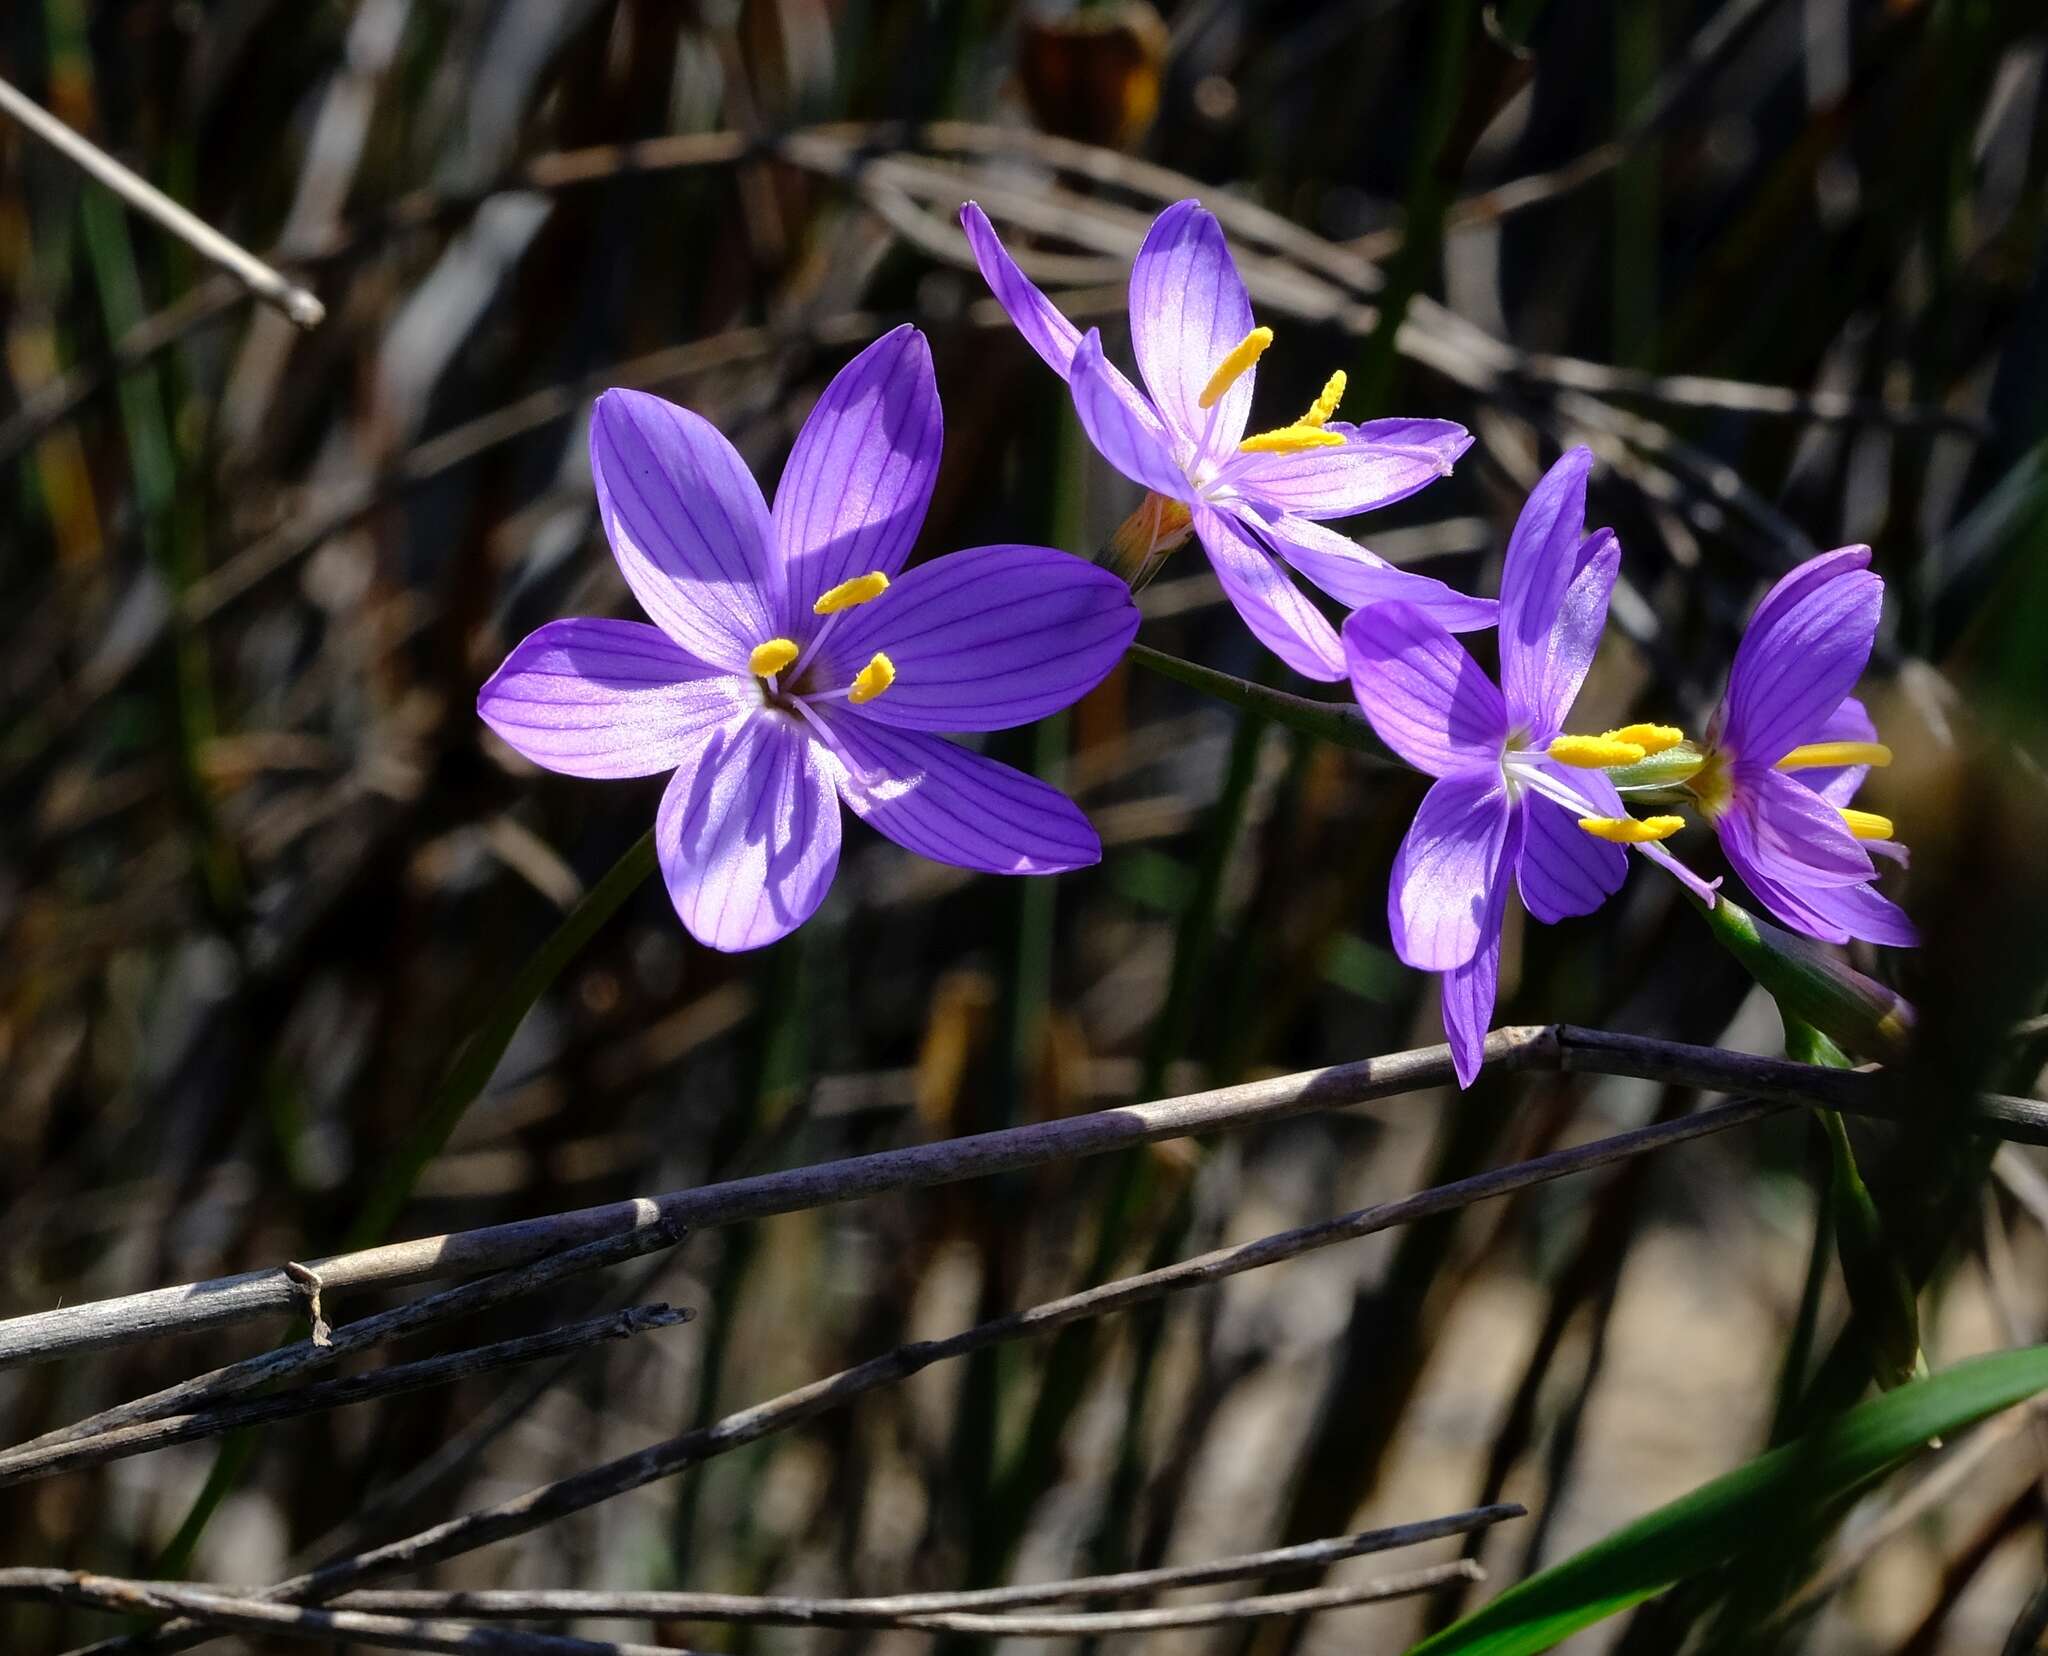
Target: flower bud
[(1810, 981)]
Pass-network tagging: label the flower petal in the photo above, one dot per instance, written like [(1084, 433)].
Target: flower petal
[(1425, 696), (942, 801), (1834, 914), (1802, 653), (1189, 310), (1355, 576), (1554, 586), (1789, 834), (599, 698), (1851, 722), (1381, 462), (1129, 438), (984, 639), (1281, 616), (1044, 329), (1564, 870), (1449, 874), (1469, 992), (748, 831), (687, 524), (854, 493)]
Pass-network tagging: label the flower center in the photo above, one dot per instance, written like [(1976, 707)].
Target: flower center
[(1305, 433), (774, 657)]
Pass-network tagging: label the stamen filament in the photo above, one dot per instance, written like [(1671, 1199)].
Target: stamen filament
[(1292, 439), (1325, 405), (1867, 825), (1827, 755), (1631, 830), (860, 590), (1232, 368), (770, 658), (1596, 752)]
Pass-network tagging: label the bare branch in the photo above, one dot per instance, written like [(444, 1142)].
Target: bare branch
[(97, 1325), (272, 288), (22, 1465), (438, 1632), (549, 1502), (289, 1362), (224, 1612), (866, 1612)]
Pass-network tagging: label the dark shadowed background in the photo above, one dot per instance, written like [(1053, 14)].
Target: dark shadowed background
[(261, 869)]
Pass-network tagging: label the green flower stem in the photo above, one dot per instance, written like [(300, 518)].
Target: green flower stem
[(1879, 1292), (1329, 721)]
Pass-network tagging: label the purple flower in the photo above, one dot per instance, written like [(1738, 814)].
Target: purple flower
[(1788, 747), (792, 659), (1504, 802), (1253, 502)]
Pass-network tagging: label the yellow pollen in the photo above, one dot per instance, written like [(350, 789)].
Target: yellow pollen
[(1632, 830), (1595, 752), (849, 593), (1291, 440), (1826, 755), (1868, 824), (1325, 405), (770, 658), (1651, 738), (1242, 355), (874, 678)]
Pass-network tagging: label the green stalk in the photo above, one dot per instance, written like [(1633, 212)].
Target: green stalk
[(1335, 722)]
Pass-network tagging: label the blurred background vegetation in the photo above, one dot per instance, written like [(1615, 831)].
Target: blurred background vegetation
[(1779, 261)]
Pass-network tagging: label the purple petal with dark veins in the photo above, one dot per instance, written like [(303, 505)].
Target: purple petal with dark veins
[(1789, 833), (1381, 462), (1428, 700), (1036, 317), (1802, 653), (688, 526), (1834, 914), (1129, 439), (854, 493), (598, 698), (1447, 870), (1469, 991), (1355, 576), (1564, 870), (1281, 616), (748, 830), (1189, 310), (984, 639), (1554, 586), (1837, 784), (940, 800)]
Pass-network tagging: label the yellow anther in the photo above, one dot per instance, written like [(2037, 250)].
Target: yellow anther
[(1827, 755), (1650, 738), (1325, 405), (873, 679), (1291, 440), (849, 593), (770, 658), (1243, 354), (1595, 752), (1867, 824), (1632, 830)]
